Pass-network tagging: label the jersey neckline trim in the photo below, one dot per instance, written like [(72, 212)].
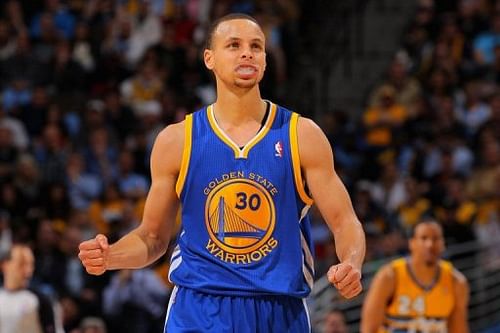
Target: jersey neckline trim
[(421, 285), (242, 152)]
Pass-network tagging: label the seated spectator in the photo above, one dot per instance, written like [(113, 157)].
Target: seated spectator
[(132, 184), (389, 191), (16, 95), (49, 273), (474, 112), (143, 87), (8, 153), (334, 322), (135, 301), (92, 325), (382, 120), (487, 230), (51, 154), (482, 184), (415, 207), (7, 43), (107, 210), (63, 19), (484, 44), (82, 187), (101, 155), (407, 89), (146, 31), (17, 128)]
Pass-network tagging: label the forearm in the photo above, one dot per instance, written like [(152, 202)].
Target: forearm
[(137, 249), (350, 243)]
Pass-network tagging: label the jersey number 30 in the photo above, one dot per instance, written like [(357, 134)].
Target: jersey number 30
[(244, 201)]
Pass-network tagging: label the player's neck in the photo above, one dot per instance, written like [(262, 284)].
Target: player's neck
[(11, 285), (237, 109), (425, 274)]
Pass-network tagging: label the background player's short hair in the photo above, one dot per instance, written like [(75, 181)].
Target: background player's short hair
[(423, 220), (6, 254), (229, 17)]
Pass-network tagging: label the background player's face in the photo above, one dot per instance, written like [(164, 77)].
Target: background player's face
[(18, 270), (427, 243), (335, 323), (238, 56)]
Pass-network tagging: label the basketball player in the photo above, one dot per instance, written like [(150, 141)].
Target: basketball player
[(244, 261), (420, 293)]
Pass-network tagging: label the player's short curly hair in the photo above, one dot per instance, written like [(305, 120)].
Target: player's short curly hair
[(229, 17)]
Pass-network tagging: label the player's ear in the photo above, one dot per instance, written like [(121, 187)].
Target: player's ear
[(411, 244), (208, 58)]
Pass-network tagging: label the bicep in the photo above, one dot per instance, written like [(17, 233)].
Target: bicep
[(458, 317), (327, 190), (161, 208), (162, 202)]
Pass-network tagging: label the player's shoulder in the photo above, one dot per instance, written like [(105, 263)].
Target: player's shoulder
[(383, 284), (459, 278), (310, 135), (387, 272), (170, 142), (308, 125), (173, 133)]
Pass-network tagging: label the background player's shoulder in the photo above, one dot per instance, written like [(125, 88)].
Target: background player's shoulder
[(389, 269), (459, 277)]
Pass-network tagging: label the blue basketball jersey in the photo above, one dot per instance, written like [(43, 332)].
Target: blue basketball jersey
[(244, 229)]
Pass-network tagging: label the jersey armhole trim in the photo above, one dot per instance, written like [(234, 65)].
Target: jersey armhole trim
[(186, 154), (297, 174), (395, 276)]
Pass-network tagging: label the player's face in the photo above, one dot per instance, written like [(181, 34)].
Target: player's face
[(427, 244), (238, 56), (19, 268)]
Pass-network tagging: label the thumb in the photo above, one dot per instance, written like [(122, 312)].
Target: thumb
[(342, 270), (331, 273), (102, 241)]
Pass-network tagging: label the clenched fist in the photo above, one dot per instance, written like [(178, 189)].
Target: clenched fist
[(346, 278), (94, 254)]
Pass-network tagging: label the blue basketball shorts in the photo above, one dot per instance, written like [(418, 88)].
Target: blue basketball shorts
[(196, 312)]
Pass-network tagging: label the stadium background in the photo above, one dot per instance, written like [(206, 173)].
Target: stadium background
[(406, 91)]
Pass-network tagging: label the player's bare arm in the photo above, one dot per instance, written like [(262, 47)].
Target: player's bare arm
[(334, 203), (149, 241), (457, 322), (378, 296)]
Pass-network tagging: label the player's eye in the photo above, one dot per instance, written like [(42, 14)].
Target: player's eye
[(256, 46)]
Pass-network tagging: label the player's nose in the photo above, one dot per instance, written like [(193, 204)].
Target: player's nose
[(246, 52)]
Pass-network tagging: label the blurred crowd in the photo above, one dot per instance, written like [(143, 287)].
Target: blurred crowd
[(427, 143), (87, 84), (85, 87)]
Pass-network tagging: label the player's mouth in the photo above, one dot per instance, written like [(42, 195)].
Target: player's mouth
[(246, 71)]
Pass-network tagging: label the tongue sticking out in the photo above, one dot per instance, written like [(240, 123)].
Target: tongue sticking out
[(246, 71)]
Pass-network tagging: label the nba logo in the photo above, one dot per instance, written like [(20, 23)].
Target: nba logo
[(278, 148)]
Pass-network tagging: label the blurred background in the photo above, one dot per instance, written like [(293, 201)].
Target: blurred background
[(406, 91)]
